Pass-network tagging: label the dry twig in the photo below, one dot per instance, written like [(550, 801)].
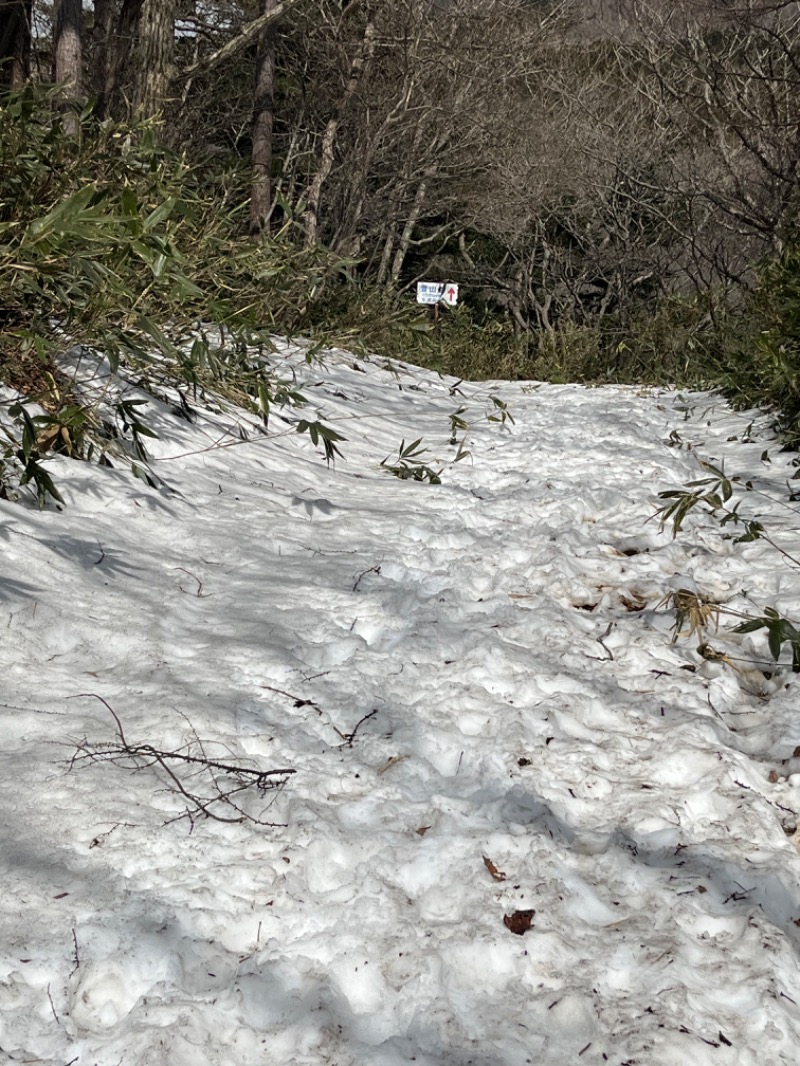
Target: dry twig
[(210, 788)]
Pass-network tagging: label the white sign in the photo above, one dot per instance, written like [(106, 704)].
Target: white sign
[(429, 292), (450, 294), (434, 292)]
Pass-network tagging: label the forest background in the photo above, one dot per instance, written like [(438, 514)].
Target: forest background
[(612, 183)]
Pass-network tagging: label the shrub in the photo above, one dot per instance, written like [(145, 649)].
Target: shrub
[(118, 246), (762, 363)]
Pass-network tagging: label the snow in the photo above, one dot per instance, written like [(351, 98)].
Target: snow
[(477, 688)]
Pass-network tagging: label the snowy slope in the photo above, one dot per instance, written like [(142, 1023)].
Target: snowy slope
[(476, 687)]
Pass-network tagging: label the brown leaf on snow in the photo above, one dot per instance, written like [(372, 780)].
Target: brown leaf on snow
[(497, 875), (632, 603), (423, 829), (519, 922)]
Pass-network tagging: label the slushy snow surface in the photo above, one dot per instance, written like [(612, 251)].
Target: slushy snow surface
[(478, 690)]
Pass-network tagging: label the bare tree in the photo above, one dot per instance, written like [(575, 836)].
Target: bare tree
[(732, 83), (361, 58), (115, 34), (657, 160), (263, 118), (413, 114)]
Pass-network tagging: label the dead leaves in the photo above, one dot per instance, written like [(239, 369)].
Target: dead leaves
[(496, 874), (633, 603), (519, 922)]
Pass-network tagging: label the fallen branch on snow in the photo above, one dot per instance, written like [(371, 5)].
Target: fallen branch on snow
[(211, 788)]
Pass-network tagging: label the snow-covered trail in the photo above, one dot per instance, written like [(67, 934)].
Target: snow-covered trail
[(476, 686)]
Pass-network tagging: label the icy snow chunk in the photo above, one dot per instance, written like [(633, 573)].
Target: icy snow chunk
[(106, 991), (585, 903)]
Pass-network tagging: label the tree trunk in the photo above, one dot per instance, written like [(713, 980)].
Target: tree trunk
[(364, 53), (156, 42), (15, 42), (67, 59), (404, 242), (101, 56), (122, 43), (263, 114), (386, 255)]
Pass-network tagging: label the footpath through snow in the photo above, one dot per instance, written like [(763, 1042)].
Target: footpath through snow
[(525, 827)]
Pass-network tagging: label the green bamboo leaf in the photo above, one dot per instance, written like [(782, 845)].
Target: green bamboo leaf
[(163, 343), (774, 640), (160, 214), (129, 203), (330, 434), (264, 399), (717, 471), (412, 449)]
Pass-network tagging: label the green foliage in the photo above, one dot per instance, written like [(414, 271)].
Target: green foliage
[(457, 423), (713, 496), (324, 435), (460, 343), (665, 346), (780, 631), (501, 414), (407, 466), (712, 493), (762, 364), (25, 454), (118, 246), (127, 412)]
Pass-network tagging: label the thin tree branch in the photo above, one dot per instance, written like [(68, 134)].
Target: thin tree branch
[(236, 44)]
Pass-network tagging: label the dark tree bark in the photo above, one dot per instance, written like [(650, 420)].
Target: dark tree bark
[(67, 60), (263, 115), (101, 55), (122, 43), (15, 42)]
